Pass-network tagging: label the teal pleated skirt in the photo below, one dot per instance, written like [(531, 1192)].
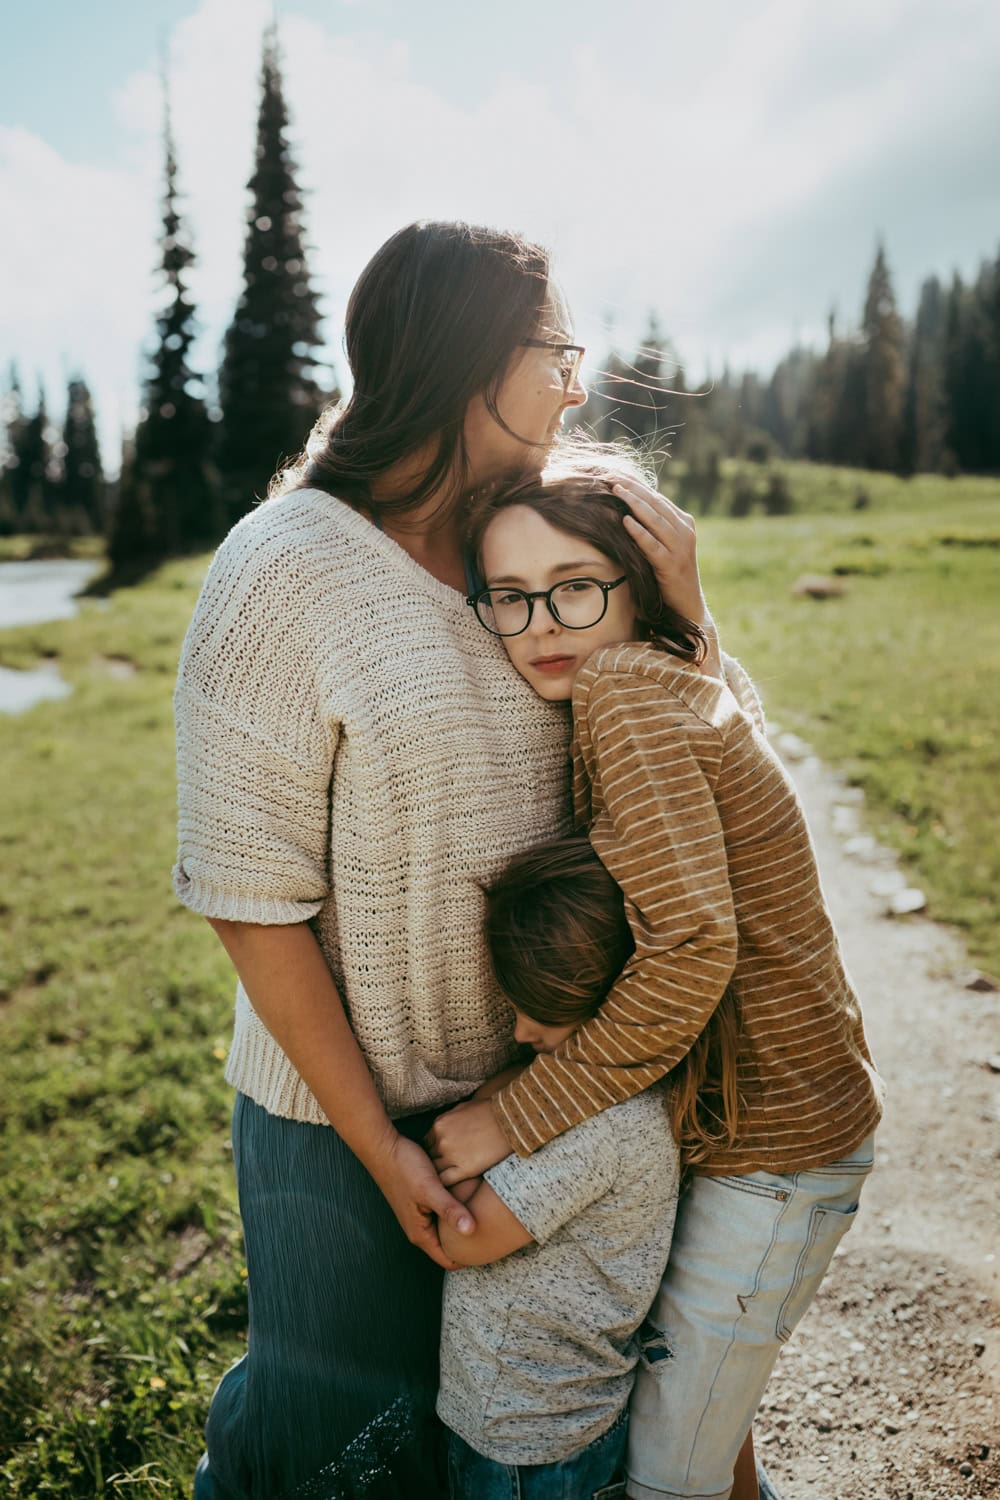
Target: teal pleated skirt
[(334, 1398)]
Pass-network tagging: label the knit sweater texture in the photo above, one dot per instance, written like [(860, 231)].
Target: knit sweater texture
[(694, 816), (355, 751)]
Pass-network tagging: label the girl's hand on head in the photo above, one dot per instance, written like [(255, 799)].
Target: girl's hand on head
[(465, 1141), (666, 535), (418, 1198)]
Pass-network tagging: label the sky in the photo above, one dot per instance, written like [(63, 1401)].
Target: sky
[(728, 163)]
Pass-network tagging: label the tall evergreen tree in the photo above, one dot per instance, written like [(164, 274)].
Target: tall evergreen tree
[(34, 476), (992, 317), (849, 436), (645, 414), (926, 416), (883, 370), (166, 497), (789, 396), (971, 372), (12, 418), (268, 389), (81, 486), (606, 413), (135, 537)]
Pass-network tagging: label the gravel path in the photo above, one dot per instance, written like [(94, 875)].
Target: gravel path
[(888, 1389)]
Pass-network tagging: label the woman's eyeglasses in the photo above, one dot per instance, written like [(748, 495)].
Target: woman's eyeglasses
[(577, 604), (570, 358)]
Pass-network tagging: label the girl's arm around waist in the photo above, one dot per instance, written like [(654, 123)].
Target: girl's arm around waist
[(652, 764)]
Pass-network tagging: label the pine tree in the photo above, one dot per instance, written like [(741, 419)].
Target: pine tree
[(169, 467), (268, 390), (12, 418), (977, 373), (992, 315), (34, 476), (646, 394), (883, 370), (969, 373), (135, 540), (605, 413), (81, 486), (849, 435), (925, 415), (789, 395)]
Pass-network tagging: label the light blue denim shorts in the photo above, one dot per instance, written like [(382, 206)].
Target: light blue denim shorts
[(747, 1258)]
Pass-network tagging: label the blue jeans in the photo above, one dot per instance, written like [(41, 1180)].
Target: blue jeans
[(747, 1258), (598, 1473)]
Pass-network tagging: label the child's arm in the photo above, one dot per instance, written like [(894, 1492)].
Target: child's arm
[(487, 1144), (499, 1081), (497, 1232), (527, 1201), (654, 762)]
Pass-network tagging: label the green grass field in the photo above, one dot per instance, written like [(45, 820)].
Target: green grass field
[(897, 681), (122, 1295)]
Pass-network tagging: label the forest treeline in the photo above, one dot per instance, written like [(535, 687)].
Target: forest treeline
[(205, 443), (904, 396), (898, 394)]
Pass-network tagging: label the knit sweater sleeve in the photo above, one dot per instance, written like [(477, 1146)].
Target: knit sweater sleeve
[(652, 763), (255, 747)]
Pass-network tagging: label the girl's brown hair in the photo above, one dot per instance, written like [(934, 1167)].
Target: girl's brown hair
[(435, 319), (558, 938), (574, 494)]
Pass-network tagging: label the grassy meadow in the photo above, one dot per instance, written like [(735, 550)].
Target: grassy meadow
[(896, 682), (122, 1291)]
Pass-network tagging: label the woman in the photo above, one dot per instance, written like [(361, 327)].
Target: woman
[(356, 762)]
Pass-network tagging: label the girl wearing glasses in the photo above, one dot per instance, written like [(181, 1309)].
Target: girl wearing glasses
[(692, 814), (357, 761)]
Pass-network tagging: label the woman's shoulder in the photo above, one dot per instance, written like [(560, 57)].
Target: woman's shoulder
[(302, 522), (292, 546)]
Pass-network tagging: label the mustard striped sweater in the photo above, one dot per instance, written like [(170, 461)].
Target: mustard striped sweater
[(695, 818)]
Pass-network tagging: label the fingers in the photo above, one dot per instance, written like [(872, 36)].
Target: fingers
[(657, 552), (449, 1175), (667, 522), (427, 1241), (458, 1216)]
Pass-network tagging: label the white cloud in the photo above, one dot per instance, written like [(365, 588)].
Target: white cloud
[(731, 166)]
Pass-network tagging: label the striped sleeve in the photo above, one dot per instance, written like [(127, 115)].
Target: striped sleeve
[(652, 763), (740, 685)]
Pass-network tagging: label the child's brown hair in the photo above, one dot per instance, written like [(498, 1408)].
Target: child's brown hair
[(575, 494), (558, 939)]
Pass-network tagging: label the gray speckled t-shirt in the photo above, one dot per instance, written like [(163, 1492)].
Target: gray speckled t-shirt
[(538, 1350)]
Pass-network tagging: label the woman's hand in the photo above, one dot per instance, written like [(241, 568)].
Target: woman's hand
[(417, 1197), (666, 535), (465, 1141)]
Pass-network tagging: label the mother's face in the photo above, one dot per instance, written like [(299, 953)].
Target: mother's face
[(531, 400)]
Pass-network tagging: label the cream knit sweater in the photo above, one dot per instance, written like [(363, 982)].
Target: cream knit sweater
[(354, 749)]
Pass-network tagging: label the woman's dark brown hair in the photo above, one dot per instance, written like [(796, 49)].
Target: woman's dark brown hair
[(558, 938), (434, 320), (574, 494)]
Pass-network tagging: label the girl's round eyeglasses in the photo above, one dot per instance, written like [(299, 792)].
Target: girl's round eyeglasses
[(578, 603)]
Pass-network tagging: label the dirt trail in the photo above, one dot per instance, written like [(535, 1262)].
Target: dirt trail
[(888, 1389)]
